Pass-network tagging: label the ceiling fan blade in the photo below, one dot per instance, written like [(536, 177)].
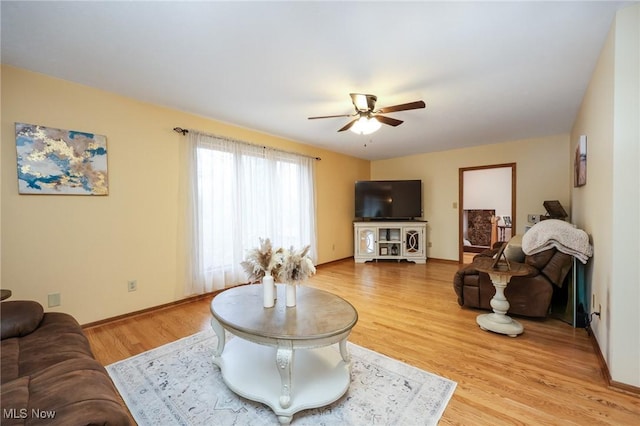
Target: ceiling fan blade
[(388, 120), (331, 116), (403, 107), (363, 102), (348, 125)]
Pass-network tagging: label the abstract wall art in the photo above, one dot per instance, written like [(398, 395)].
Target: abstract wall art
[(64, 162)]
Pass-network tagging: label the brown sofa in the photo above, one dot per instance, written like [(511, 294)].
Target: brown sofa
[(48, 372), (529, 296)]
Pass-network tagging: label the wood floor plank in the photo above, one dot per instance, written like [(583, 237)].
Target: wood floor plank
[(549, 375)]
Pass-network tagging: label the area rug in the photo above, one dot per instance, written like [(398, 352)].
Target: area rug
[(178, 384)]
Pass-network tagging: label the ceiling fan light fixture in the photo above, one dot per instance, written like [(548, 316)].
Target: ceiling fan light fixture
[(365, 126)]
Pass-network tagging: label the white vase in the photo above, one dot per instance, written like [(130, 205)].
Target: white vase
[(291, 295), (268, 291)]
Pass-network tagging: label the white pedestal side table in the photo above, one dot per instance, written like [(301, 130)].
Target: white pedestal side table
[(499, 321), (259, 363)]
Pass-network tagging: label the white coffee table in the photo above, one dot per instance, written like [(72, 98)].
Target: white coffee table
[(259, 365)]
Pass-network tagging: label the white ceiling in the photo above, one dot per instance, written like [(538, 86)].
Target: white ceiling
[(488, 71)]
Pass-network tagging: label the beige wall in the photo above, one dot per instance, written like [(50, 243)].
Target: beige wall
[(87, 248), (592, 204), (607, 207), (625, 296), (542, 174), (488, 189)]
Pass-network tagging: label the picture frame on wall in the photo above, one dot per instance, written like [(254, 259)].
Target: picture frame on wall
[(60, 162), (580, 162)]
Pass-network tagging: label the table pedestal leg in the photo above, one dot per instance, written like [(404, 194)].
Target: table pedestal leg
[(284, 362), (499, 321), (219, 330), (344, 352)]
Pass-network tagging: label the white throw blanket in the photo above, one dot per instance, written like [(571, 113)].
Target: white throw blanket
[(562, 235)]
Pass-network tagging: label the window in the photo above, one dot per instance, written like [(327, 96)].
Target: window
[(240, 193)]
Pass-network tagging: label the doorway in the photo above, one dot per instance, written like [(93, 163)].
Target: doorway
[(487, 206)]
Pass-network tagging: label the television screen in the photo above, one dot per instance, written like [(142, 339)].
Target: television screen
[(388, 199)]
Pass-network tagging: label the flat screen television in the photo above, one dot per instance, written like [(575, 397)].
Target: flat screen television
[(388, 199)]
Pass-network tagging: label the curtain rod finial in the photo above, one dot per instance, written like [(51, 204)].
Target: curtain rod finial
[(181, 130)]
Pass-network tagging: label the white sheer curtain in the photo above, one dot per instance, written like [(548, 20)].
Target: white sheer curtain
[(238, 193)]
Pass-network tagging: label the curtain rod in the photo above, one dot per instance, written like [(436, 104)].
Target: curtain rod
[(185, 131)]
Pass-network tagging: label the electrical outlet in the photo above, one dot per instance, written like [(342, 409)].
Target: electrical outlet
[(533, 218), (429, 244), (132, 285), (53, 300)]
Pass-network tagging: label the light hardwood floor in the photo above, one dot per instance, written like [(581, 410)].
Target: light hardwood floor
[(549, 375)]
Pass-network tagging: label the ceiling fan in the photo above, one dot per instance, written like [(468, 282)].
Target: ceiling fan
[(368, 119)]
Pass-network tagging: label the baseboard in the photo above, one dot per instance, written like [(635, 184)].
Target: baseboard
[(449, 261), (211, 294), (320, 265), (171, 304), (430, 259), (606, 374), (151, 309)]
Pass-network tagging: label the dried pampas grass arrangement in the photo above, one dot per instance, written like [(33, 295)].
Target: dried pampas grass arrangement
[(262, 260), (288, 266), (296, 267)]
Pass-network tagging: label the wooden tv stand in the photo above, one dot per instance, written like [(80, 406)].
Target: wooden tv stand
[(403, 240)]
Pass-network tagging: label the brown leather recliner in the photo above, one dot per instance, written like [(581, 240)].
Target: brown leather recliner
[(528, 296)]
